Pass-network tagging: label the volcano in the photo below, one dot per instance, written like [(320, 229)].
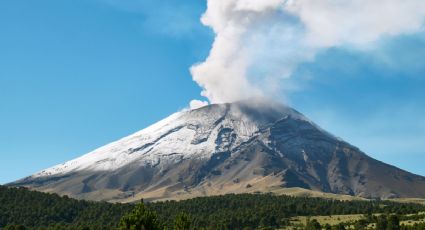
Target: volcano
[(242, 147)]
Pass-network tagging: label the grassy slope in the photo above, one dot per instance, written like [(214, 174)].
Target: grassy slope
[(297, 192), (337, 219)]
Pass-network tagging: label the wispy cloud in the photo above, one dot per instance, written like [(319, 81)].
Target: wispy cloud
[(176, 18)]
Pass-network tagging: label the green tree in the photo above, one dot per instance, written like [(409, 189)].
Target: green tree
[(360, 224), (313, 225), (382, 223), (339, 226), (14, 227), (140, 218), (393, 223), (182, 222)]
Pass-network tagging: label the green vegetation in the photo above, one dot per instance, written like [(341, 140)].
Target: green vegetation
[(20, 207), (182, 222), (23, 209), (140, 218), (265, 210), (360, 222)]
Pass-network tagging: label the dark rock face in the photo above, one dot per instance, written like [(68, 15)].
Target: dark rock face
[(285, 146)]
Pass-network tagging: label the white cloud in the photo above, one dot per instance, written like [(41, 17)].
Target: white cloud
[(196, 104), (259, 43), (338, 22), (170, 18)]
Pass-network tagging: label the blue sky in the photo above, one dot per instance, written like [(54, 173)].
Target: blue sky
[(78, 74)]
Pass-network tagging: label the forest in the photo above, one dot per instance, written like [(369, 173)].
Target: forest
[(24, 209)]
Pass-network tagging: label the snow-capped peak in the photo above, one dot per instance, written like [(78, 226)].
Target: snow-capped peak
[(194, 133)]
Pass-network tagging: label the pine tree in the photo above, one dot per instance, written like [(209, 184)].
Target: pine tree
[(382, 223), (140, 219), (360, 224), (313, 225), (393, 223), (339, 226), (182, 222)]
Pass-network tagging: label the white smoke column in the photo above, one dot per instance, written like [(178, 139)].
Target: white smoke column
[(196, 104), (260, 42)]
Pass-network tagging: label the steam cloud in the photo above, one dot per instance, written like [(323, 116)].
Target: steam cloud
[(260, 42)]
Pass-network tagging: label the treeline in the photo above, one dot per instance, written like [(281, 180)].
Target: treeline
[(23, 209), (36, 210), (252, 211), (143, 218), (369, 222)]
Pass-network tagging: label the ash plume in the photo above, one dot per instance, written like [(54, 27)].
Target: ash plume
[(260, 42)]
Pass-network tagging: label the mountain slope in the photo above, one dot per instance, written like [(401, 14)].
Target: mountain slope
[(254, 146)]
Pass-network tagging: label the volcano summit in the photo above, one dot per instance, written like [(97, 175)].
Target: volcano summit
[(242, 147)]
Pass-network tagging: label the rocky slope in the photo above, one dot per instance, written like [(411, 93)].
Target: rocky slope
[(250, 146)]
